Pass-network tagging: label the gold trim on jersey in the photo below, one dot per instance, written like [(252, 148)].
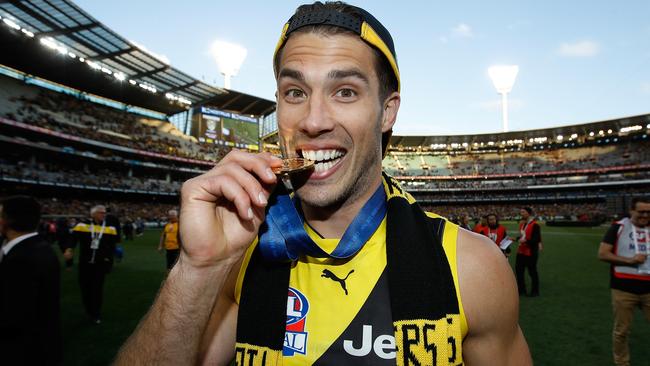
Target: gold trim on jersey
[(249, 355), (85, 228), (421, 340)]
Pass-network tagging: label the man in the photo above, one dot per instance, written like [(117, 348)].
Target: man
[(496, 232), (170, 239), (318, 292), (30, 324), (625, 247), (481, 225), (530, 239), (97, 240)]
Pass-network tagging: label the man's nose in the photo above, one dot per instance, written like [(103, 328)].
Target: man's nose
[(318, 119)]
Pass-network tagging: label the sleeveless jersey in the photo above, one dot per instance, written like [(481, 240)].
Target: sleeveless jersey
[(338, 310)]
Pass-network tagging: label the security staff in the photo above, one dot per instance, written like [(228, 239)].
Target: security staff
[(97, 240)]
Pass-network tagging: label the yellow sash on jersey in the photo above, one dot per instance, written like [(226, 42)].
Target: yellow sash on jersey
[(424, 303)]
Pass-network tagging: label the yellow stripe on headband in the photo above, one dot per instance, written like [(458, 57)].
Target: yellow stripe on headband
[(369, 35), (283, 38)]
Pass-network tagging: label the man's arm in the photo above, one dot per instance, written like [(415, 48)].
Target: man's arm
[(606, 254), (221, 212), (162, 240), (491, 305), (606, 250)]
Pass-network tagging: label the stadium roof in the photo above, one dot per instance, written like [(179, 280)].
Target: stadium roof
[(588, 130), (86, 55)]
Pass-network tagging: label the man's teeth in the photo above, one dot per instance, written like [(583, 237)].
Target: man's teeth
[(320, 155), (321, 167), (325, 159)]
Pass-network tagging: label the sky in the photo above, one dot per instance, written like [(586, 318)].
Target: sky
[(579, 61)]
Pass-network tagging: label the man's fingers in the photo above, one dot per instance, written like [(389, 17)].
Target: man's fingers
[(257, 192), (259, 164)]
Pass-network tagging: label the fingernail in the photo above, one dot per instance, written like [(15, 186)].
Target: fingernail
[(262, 198), (269, 173), (250, 213)]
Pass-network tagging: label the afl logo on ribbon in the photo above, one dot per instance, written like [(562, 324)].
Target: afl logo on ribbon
[(295, 337)]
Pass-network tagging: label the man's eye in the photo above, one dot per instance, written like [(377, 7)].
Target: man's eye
[(295, 93), (346, 93)]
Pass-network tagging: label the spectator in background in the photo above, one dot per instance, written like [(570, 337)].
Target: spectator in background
[(496, 232), (528, 252), (97, 240), (625, 247), (113, 220), (30, 322), (465, 222), (127, 228), (481, 225), (170, 239), (63, 238)]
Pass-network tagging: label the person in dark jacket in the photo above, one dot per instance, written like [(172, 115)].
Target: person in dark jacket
[(30, 322), (97, 240)]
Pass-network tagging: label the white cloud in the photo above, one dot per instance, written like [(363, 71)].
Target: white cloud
[(462, 30), (579, 49)]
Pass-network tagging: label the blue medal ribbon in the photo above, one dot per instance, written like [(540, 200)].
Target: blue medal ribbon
[(282, 236)]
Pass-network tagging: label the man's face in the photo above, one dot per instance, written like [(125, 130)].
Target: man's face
[(328, 106), (99, 215), (172, 218), (492, 221), (640, 215), (524, 214)]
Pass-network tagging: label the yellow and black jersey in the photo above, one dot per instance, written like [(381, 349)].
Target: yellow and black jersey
[(171, 236), (83, 234), (338, 310)]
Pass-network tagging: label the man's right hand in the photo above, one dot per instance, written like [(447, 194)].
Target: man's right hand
[(639, 258), (221, 210)]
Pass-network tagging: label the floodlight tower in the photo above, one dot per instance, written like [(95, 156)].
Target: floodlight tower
[(229, 57), (503, 78)]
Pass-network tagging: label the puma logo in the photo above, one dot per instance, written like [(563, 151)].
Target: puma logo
[(328, 274)]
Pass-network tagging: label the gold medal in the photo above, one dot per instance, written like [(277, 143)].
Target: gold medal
[(293, 165)]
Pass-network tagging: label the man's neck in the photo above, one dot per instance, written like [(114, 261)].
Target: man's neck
[(331, 222), (637, 224)]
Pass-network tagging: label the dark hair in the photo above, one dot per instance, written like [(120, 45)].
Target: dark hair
[(528, 209), (383, 69), (636, 200), (22, 213)]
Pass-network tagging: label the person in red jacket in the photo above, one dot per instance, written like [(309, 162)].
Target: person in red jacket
[(528, 252), (496, 232), (481, 225)]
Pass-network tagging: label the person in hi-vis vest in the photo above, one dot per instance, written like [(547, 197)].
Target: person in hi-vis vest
[(170, 239), (626, 247)]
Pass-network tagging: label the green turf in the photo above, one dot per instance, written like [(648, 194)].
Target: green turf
[(569, 324)]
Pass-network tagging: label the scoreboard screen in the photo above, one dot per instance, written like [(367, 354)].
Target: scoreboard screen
[(218, 127)]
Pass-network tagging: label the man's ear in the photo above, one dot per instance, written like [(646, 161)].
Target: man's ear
[(390, 108)]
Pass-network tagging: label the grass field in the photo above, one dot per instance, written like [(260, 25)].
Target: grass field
[(569, 324)]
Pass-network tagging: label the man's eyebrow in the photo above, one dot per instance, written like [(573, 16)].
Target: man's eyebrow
[(291, 73), (342, 74)]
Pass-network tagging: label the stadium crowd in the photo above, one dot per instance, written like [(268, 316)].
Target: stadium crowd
[(71, 115), (428, 164), (53, 172), (546, 212)]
